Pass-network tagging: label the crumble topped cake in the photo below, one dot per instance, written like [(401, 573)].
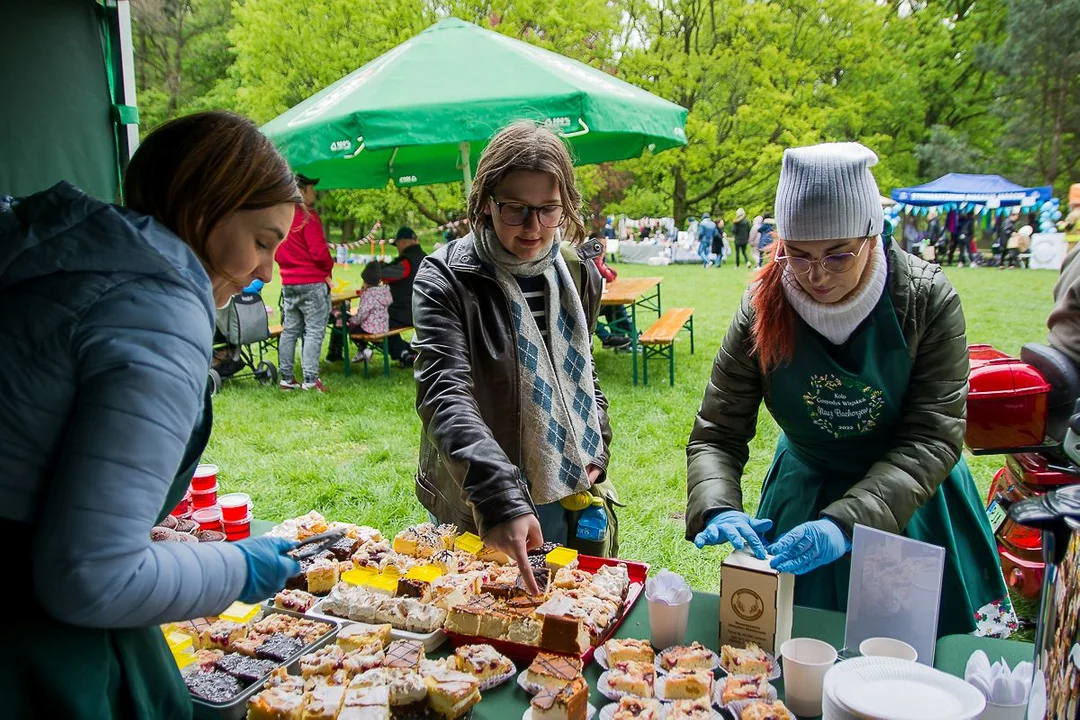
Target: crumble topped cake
[(552, 671), (324, 661), (697, 709), (481, 661), (687, 684), (221, 635), (766, 711), (744, 687), (295, 600), (635, 678), (363, 659), (636, 708), (750, 661), (691, 657), (323, 702), (629, 650)]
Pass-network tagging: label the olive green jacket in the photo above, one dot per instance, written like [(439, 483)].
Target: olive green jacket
[(928, 439)]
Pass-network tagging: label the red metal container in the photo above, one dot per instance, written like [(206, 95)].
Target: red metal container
[(1006, 405)]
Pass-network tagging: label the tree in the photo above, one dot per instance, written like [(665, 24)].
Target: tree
[(182, 51), (1038, 100), (756, 77)]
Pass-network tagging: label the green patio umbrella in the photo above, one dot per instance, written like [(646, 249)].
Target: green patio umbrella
[(422, 112)]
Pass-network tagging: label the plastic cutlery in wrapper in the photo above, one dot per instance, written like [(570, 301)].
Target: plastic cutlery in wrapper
[(997, 682), (668, 588)]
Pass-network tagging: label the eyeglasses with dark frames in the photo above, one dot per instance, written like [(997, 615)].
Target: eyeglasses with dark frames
[(515, 214), (835, 264)]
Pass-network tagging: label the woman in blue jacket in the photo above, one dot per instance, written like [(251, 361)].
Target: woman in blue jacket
[(106, 320)]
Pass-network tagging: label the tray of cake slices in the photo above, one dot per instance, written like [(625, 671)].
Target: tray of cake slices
[(365, 674), (230, 658), (677, 683), (431, 581)]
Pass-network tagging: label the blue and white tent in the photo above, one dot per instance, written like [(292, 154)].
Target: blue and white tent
[(962, 191)]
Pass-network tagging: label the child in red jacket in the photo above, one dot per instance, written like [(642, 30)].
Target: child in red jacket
[(306, 268)]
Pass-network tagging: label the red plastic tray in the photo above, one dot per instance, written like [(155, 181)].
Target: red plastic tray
[(637, 571)]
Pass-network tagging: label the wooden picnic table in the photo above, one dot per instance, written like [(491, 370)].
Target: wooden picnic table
[(635, 292), (340, 298)]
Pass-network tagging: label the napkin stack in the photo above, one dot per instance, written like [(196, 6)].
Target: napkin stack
[(668, 588)]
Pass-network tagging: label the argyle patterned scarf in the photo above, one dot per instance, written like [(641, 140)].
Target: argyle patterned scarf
[(560, 433)]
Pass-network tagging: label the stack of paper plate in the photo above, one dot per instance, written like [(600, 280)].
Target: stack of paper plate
[(878, 688)]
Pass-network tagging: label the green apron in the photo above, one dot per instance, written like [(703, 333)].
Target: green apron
[(54, 670), (838, 407)]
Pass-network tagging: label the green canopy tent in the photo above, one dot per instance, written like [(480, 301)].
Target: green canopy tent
[(421, 113), (69, 95)]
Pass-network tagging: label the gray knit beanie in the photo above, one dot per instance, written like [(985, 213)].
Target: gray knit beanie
[(827, 192)]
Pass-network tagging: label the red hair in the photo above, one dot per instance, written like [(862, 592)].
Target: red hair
[(774, 320)]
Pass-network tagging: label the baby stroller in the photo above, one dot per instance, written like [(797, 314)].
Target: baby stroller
[(243, 336)]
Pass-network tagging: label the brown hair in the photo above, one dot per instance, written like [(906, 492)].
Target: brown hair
[(526, 145), (774, 320), (192, 172)]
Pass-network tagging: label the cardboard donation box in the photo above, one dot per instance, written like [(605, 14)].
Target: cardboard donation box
[(755, 603)]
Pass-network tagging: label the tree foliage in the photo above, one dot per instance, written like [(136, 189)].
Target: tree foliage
[(932, 86)]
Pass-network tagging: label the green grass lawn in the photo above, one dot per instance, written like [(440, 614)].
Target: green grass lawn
[(351, 454)]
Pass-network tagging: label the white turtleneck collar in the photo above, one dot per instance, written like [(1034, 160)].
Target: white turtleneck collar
[(837, 321)]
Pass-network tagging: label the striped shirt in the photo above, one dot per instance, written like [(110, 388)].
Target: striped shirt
[(535, 291)]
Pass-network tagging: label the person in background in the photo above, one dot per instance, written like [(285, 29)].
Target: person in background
[(934, 233), (514, 422), (741, 230), (372, 316), (615, 332), (755, 238), (306, 268), (1017, 245), (399, 275), (911, 235), (859, 353), (766, 237), (102, 434), (961, 238), (645, 233), (692, 229), (1005, 229), (707, 232), (719, 243)]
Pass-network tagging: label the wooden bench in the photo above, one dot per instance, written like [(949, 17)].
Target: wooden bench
[(659, 339), (379, 342)]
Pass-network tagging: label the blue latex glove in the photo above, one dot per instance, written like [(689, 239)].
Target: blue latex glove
[(737, 528), (268, 567), (808, 546)]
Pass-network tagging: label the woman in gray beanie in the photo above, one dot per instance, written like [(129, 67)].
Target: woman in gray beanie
[(859, 352)]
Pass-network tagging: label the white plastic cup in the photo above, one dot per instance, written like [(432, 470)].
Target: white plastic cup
[(805, 663), (667, 623), (888, 647), (1004, 712), (234, 506)]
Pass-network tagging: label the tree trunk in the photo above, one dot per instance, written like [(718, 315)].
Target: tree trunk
[(678, 198), (348, 230)]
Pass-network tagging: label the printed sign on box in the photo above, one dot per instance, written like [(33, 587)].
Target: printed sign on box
[(755, 603)]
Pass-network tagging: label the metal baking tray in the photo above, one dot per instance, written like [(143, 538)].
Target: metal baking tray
[(236, 709)]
